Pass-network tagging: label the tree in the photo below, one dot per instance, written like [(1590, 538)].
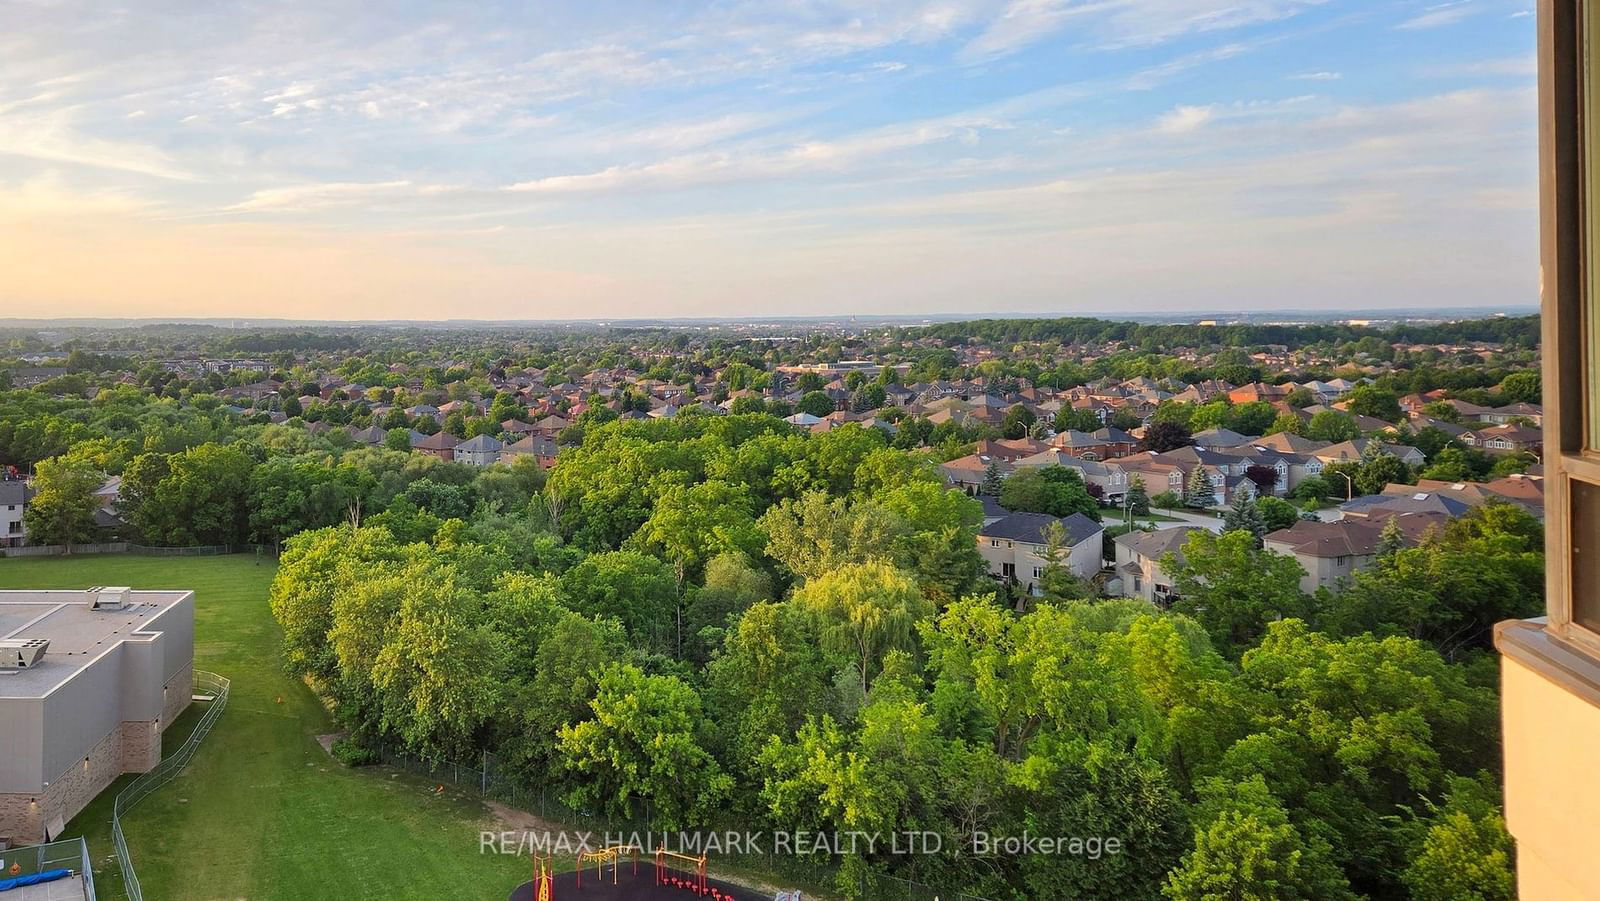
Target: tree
[(1250, 851), (1198, 490), (1243, 516), (1465, 851), (1056, 490), (1018, 420), (993, 481), (1138, 500), (1332, 425), (1167, 500), (1166, 436), (1287, 422), (645, 742), (864, 610), (1378, 472), (816, 534), (1264, 477), (816, 403), (767, 677), (63, 505), (638, 590), (197, 496), (1276, 512), (437, 676), (1057, 580), (1390, 539), (731, 586), (1253, 418), (1370, 400), (1232, 587), (1522, 387), (691, 524)]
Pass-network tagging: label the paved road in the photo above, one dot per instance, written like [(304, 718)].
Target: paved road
[(1214, 523)]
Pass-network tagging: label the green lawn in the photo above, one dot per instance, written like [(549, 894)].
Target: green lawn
[(262, 812)]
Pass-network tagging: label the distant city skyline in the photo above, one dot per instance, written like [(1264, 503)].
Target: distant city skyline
[(806, 158)]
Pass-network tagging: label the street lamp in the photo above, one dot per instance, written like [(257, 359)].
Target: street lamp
[(1349, 487)]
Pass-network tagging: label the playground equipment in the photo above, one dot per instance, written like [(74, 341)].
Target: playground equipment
[(611, 854), (544, 878), (674, 869)]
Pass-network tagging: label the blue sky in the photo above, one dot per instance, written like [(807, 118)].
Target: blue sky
[(564, 160)]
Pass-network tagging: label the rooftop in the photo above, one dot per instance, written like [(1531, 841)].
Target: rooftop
[(77, 632)]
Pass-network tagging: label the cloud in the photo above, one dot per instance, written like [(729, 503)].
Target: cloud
[(53, 137), (1439, 16), (1122, 23), (1317, 76), (301, 198), (1185, 119), (785, 161)]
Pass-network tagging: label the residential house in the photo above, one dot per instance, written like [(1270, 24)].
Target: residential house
[(1014, 546), (1508, 438), (542, 448), (441, 445), (1534, 413), (1138, 563), (480, 450), (1331, 552), (1354, 451), (14, 497)]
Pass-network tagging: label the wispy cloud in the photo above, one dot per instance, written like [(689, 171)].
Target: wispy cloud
[(1317, 76), (1439, 16)]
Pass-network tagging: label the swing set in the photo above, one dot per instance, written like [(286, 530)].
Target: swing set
[(675, 870), (544, 878), (611, 854)]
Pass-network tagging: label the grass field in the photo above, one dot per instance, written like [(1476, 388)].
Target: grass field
[(262, 812)]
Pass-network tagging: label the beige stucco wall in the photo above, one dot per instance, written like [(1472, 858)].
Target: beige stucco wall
[(1552, 795)]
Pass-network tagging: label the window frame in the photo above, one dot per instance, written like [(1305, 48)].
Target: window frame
[(1569, 284)]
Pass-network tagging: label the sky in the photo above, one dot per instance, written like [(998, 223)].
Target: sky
[(638, 158)]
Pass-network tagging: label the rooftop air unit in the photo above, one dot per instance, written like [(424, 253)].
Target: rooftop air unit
[(21, 653), (110, 598)]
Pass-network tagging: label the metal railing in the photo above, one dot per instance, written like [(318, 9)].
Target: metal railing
[(67, 854), (163, 773)]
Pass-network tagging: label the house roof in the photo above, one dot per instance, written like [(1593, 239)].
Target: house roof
[(1031, 527), (1352, 537), (479, 444), (1220, 438), (1155, 545)]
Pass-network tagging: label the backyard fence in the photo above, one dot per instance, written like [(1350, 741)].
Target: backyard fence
[(126, 547), (138, 789), (70, 854)]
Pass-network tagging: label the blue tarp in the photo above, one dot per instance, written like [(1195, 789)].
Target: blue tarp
[(36, 879)]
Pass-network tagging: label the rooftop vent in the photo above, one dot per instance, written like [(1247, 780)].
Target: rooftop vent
[(21, 653), (110, 598)]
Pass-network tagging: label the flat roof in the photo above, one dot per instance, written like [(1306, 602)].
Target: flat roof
[(78, 634)]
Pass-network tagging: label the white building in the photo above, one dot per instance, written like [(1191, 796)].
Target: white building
[(89, 680)]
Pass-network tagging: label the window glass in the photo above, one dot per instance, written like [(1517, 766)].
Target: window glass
[(1586, 555), (1591, 139)]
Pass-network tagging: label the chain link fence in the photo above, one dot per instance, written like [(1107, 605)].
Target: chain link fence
[(490, 779), (125, 547), (204, 683), (69, 854)]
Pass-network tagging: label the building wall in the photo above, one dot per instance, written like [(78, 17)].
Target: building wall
[(1083, 558), (12, 532), (1552, 801), (59, 751)]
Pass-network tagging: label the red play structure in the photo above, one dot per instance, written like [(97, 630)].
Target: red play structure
[(674, 869)]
